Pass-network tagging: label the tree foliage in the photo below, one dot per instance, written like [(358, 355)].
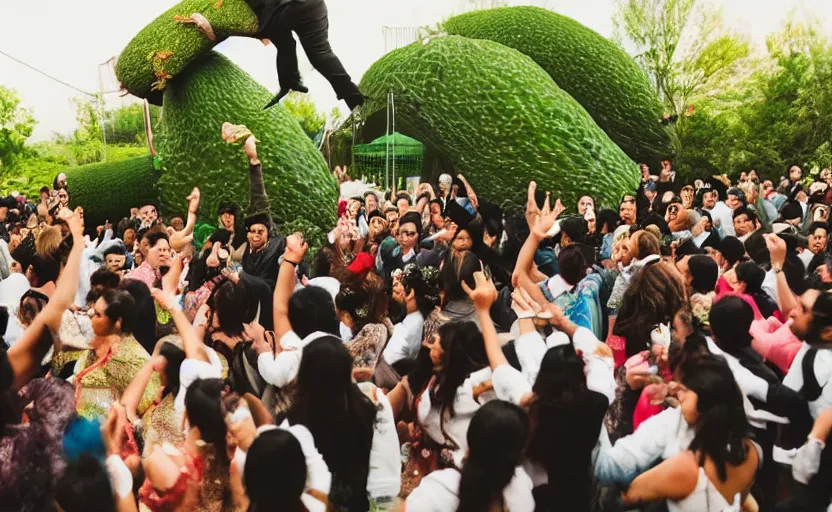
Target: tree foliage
[(771, 118), (16, 125), (302, 108), (681, 44)]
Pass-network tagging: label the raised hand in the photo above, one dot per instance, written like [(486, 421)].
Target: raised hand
[(170, 281), (776, 248), (532, 210), (296, 248), (484, 294), (545, 221), (74, 220), (166, 300), (521, 307), (193, 200)]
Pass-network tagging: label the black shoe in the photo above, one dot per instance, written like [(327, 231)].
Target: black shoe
[(299, 87), (354, 101)]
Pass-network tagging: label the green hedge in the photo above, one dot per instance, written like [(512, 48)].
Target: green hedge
[(500, 119), (165, 47), (606, 81), (107, 191)]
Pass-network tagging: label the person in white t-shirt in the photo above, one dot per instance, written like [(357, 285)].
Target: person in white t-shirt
[(353, 429), (413, 289)]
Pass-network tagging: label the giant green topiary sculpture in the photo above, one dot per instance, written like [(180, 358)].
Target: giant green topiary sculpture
[(211, 91), (168, 44), (592, 69), (500, 119), (108, 190)]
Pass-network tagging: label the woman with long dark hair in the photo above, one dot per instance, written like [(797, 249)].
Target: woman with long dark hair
[(718, 469), (491, 477), (195, 473), (567, 401), (353, 429)]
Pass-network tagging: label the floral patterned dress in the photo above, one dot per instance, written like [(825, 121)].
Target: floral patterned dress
[(98, 383)]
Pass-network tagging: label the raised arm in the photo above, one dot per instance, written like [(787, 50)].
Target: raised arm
[(540, 223), (483, 296), (26, 355), (296, 248), (472, 195), (181, 239), (777, 250), (132, 396), (191, 343)]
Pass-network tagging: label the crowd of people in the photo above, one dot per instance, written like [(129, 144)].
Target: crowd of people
[(435, 354)]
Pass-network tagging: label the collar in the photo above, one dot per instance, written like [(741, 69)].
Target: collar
[(701, 237), (557, 286)]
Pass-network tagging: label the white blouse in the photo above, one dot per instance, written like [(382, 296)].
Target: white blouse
[(439, 492), (456, 427)]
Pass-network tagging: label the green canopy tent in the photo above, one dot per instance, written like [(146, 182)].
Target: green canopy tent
[(389, 158)]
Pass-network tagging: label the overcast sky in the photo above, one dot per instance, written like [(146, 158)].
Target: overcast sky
[(70, 39)]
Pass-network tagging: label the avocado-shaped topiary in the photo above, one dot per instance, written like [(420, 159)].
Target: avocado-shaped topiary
[(592, 69), (108, 190), (211, 91), (500, 119), (168, 44)]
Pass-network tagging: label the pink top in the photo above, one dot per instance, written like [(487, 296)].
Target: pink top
[(145, 274), (775, 341), (644, 408)]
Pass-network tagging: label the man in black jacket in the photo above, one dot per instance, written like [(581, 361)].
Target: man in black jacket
[(309, 20)]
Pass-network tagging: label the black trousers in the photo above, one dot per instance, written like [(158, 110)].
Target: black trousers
[(309, 20)]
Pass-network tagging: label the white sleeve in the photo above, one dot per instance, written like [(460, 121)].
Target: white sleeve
[(282, 369), (600, 371), (751, 385), (770, 286), (509, 384), (120, 477), (318, 476), (397, 348), (530, 349), (189, 372), (437, 491), (806, 462), (636, 453)]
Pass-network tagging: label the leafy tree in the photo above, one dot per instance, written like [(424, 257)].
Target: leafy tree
[(16, 125), (302, 108), (771, 118), (681, 46), (125, 125)]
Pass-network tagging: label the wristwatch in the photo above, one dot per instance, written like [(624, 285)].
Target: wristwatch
[(777, 268)]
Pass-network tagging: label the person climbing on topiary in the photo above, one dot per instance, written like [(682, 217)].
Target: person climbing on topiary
[(309, 20)]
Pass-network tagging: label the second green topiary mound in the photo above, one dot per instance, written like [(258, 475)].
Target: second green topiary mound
[(211, 91), (108, 190), (598, 74), (500, 120)]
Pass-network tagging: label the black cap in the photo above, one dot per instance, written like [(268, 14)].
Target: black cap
[(264, 218), (227, 207)]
